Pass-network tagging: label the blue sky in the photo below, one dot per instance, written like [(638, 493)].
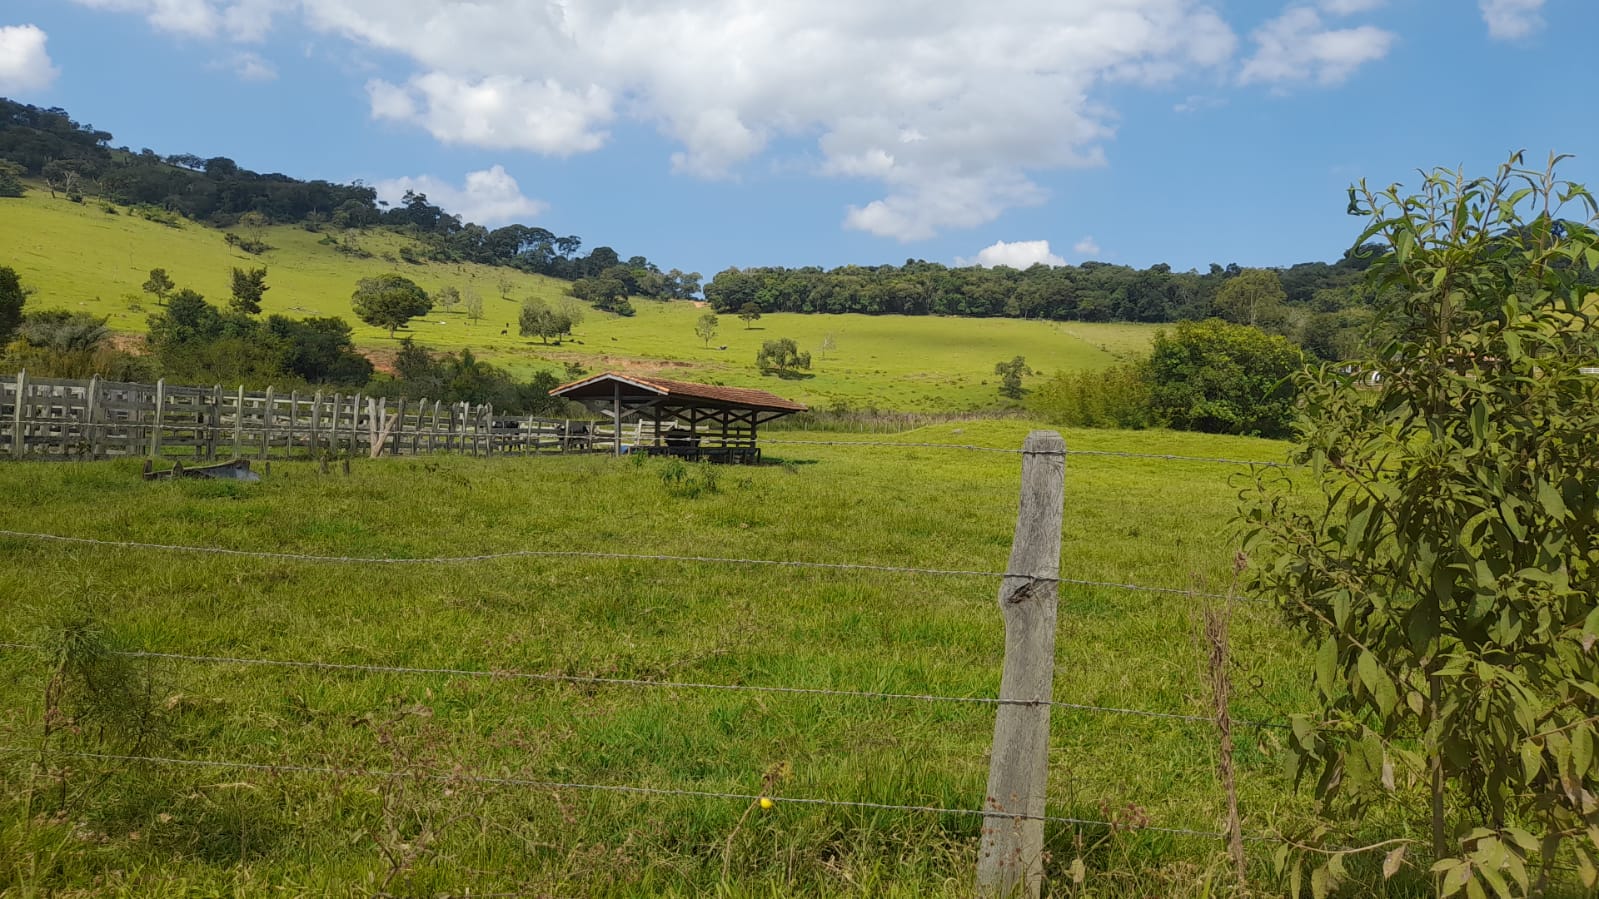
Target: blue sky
[(709, 133)]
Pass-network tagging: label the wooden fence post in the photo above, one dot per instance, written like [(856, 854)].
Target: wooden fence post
[(268, 419), (214, 422), (1011, 861), (316, 425), (160, 411), (238, 423), (18, 445), (91, 416)]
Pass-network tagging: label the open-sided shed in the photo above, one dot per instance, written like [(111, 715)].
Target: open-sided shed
[(679, 418)]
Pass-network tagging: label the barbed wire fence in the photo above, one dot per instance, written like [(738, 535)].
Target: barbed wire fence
[(1015, 583)]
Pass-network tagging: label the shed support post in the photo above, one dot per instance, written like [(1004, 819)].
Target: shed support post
[(616, 402)]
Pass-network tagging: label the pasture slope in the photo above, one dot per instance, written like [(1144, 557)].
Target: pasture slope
[(71, 825), (81, 258)]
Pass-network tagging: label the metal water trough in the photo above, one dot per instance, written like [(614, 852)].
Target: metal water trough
[(236, 470)]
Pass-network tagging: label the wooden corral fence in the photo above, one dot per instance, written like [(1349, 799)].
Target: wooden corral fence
[(43, 418)]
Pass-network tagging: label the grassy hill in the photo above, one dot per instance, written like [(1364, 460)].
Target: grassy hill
[(155, 830), (79, 257)]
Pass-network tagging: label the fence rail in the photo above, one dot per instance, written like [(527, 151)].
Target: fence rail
[(47, 418)]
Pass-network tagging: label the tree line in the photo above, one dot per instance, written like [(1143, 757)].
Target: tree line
[(1092, 291)]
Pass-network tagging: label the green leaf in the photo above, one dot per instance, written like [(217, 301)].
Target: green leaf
[(1321, 883), (1327, 666), (1553, 505), (1377, 682), (1581, 749), (1531, 761)]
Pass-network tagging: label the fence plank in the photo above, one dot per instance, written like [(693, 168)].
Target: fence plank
[(1011, 862)]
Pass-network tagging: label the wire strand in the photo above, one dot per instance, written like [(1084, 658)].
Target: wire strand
[(1162, 457), (641, 682), (586, 554), (611, 788)]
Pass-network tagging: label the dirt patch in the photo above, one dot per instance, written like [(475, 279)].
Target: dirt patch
[(382, 360)]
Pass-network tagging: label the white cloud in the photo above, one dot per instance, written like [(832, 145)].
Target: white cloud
[(1087, 247), (251, 67), (1510, 20), (246, 20), (1350, 7), (24, 63), (1018, 255), (1296, 46), (502, 112), (490, 197), (947, 106)]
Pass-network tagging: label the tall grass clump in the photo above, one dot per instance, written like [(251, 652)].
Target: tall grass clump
[(1117, 397)]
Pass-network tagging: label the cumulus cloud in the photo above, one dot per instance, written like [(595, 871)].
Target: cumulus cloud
[(947, 107), (1297, 46), (1087, 247), (1018, 255), (502, 112), (1509, 20), (490, 197), (24, 63)]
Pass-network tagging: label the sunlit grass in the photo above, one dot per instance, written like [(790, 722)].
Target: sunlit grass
[(157, 831)]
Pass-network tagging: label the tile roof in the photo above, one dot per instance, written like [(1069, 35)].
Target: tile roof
[(683, 390)]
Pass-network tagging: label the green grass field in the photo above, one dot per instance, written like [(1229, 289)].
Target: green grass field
[(78, 257), (74, 826)]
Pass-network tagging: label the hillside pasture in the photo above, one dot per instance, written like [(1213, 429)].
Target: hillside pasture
[(78, 257), (71, 824)]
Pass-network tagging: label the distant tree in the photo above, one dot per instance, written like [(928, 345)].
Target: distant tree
[(1222, 378), (63, 331), (539, 319), (506, 286), (1011, 373), (472, 304), (159, 285), (606, 293), (781, 356), (1254, 297), (248, 289), (827, 345), (63, 175), (573, 311), (750, 314), (187, 318), (705, 328), (11, 179), (448, 297), (254, 225), (389, 301), (12, 297)]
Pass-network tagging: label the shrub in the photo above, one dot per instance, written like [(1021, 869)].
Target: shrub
[(1222, 378), (1446, 574)]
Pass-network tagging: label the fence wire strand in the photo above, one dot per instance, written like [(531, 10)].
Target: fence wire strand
[(595, 680), (590, 554), (610, 788), (1162, 457)]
